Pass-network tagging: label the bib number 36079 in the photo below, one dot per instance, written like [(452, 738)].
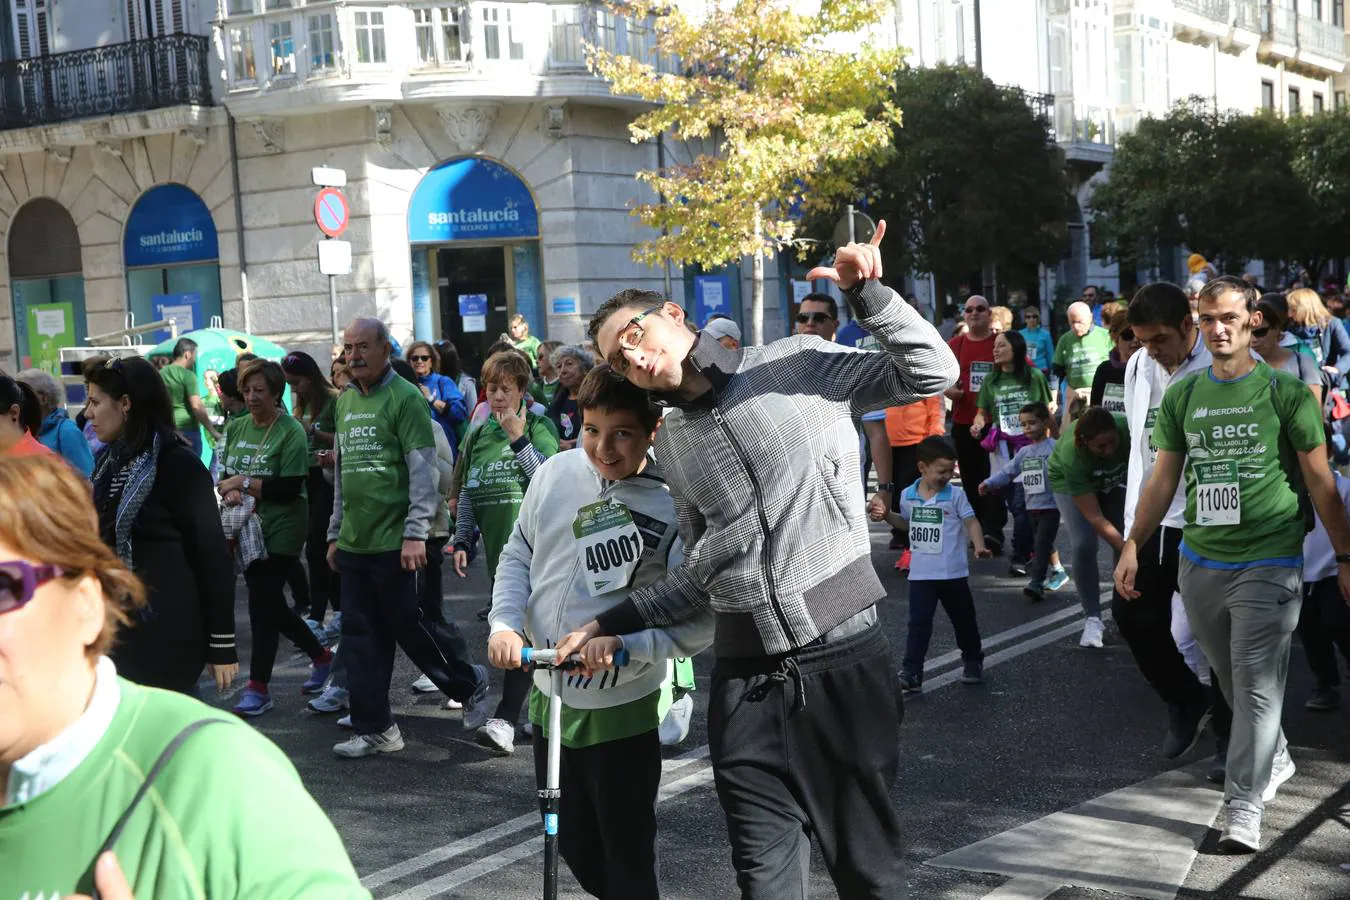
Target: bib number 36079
[(1218, 500), (925, 529), (609, 546)]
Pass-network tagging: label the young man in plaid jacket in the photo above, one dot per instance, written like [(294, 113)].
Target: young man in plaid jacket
[(761, 456)]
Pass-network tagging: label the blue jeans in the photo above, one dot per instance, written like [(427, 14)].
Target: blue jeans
[(1023, 536), (1086, 576), (924, 597)]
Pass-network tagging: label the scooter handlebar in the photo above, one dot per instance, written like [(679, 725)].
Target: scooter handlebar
[(548, 658)]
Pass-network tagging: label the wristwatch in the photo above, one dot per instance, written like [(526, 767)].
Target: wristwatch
[(886, 486), (1343, 559)]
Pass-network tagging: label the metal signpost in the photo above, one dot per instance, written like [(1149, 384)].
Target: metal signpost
[(332, 215)]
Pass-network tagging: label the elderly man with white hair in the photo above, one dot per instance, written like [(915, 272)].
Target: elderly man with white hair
[(58, 432), (1080, 351)]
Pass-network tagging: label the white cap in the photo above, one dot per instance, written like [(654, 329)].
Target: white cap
[(720, 328)]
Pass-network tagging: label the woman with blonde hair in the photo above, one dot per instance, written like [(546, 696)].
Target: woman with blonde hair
[(79, 745), (1310, 321)]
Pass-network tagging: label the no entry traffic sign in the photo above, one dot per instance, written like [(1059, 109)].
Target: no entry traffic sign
[(331, 212)]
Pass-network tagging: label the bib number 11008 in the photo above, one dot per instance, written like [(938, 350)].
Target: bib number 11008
[(1218, 498)]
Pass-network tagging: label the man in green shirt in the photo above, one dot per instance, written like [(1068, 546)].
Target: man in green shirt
[(180, 377), (1081, 349), (385, 496), (1251, 442)]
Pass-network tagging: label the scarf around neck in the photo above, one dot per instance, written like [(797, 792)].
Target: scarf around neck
[(140, 479)]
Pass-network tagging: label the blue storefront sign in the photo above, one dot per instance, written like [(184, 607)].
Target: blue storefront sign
[(471, 199), (169, 224)]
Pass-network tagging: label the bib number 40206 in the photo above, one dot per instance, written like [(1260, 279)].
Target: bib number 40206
[(1218, 497)]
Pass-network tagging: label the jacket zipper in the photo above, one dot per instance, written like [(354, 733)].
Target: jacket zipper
[(767, 555)]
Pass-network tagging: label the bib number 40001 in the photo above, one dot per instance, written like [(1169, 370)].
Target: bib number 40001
[(613, 553)]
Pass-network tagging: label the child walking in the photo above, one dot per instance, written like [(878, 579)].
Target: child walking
[(597, 523), (939, 519), (1029, 467)]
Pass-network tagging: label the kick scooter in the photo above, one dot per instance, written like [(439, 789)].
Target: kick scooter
[(550, 794)]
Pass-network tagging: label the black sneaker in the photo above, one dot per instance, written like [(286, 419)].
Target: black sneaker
[(994, 544), (897, 543), (1018, 568), (910, 684), (973, 673), (1218, 767), (1034, 592), (1184, 724), (1324, 699)]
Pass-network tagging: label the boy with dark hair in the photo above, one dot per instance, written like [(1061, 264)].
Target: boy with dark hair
[(939, 520), (598, 522)]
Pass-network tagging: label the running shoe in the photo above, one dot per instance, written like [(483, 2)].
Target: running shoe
[(497, 735), (316, 629), (424, 685), (253, 703), (910, 683), (478, 710), (1092, 633), (1281, 770), (345, 722), (318, 675), (1057, 579), (388, 741), (1218, 766), (903, 562), (1184, 724), (452, 703), (1017, 568), (1035, 591), (1241, 829), (1324, 699), (973, 673), (332, 632), (333, 699)]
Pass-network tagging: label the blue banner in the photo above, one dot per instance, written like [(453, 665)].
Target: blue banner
[(471, 199), (184, 309), (169, 224)]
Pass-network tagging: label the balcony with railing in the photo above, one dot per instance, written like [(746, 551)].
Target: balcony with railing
[(1279, 25), (424, 49), (137, 76), (1086, 133), (1301, 40), (1321, 38)]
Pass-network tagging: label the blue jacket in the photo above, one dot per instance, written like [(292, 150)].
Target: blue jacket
[(61, 435), (1040, 347), (1330, 343), (444, 388)]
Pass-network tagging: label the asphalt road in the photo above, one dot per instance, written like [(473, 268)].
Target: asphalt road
[(1054, 726)]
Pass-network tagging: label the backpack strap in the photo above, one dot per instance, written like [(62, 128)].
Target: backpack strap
[(165, 756)]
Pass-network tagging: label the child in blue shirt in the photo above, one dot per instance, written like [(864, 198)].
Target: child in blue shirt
[(939, 520), (1030, 469)]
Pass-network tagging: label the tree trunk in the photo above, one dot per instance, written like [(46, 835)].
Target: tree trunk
[(757, 287)]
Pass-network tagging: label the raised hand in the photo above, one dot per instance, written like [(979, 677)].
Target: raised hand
[(854, 262)]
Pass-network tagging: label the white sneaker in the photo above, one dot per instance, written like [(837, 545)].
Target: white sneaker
[(1092, 632), (1281, 770), (333, 699), (424, 685), (478, 710), (388, 741), (498, 735), (1242, 828), (452, 703), (345, 722), (674, 728)]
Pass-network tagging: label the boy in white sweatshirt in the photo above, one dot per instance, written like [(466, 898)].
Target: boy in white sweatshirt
[(598, 522)]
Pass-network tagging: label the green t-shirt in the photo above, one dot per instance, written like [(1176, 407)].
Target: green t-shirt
[(1076, 472), (375, 432), (495, 483), (324, 421), (220, 821), (588, 727), (182, 385), (530, 347), (544, 391), (276, 453), (1241, 439), (1080, 357), (1002, 397)]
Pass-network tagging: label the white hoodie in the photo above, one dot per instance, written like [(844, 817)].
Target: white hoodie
[(1141, 372), (541, 593)]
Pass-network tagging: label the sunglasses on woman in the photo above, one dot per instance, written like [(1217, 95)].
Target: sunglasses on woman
[(20, 580), (421, 357)]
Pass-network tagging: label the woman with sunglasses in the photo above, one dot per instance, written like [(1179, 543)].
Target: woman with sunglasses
[(157, 510), (1108, 383), (444, 399), (20, 420), (77, 740), (1281, 352)]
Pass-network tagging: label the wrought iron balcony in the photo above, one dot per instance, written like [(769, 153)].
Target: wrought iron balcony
[(1214, 10), (136, 76)]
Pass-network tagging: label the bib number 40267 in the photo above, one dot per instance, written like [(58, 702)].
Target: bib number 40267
[(1218, 498)]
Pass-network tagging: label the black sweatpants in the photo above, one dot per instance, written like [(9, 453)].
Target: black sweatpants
[(808, 744), (1324, 628), (904, 472), (324, 587), (607, 814), (974, 462), (1045, 526), (270, 617)]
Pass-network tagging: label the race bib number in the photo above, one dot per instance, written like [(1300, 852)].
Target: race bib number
[(608, 546), (1033, 476), (1113, 398), (978, 372), (925, 529), (1149, 421), (1217, 498), (1010, 417)]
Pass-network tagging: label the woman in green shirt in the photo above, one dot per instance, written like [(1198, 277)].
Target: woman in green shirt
[(267, 461), (1087, 475)]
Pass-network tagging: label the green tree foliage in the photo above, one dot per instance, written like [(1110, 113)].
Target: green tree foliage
[(788, 99)]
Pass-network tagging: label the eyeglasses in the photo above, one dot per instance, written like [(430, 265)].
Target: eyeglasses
[(813, 318), (1262, 331), (1127, 334), (421, 357), (630, 338), (20, 580), (976, 309)]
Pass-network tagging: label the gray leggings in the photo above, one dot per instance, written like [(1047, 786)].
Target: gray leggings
[(1086, 577)]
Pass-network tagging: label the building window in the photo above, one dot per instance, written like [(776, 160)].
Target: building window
[(321, 54), (1338, 13), (282, 44), (239, 8), (565, 48), (1293, 102), (1318, 104), (1340, 99), (440, 35), (1268, 96), (278, 4), (607, 30), (492, 43), (242, 66), (369, 37)]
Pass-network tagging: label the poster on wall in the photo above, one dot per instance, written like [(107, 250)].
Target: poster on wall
[(51, 326), (185, 310), (473, 310), (712, 295)]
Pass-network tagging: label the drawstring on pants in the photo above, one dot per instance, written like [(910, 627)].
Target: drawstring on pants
[(787, 671)]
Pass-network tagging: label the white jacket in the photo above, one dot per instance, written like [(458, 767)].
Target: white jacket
[(539, 589), (1139, 374)]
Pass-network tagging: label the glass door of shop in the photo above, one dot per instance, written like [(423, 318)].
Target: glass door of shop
[(464, 276)]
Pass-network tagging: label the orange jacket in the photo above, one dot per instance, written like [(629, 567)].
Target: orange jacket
[(907, 425)]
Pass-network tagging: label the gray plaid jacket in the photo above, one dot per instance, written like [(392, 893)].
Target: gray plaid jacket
[(765, 474)]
